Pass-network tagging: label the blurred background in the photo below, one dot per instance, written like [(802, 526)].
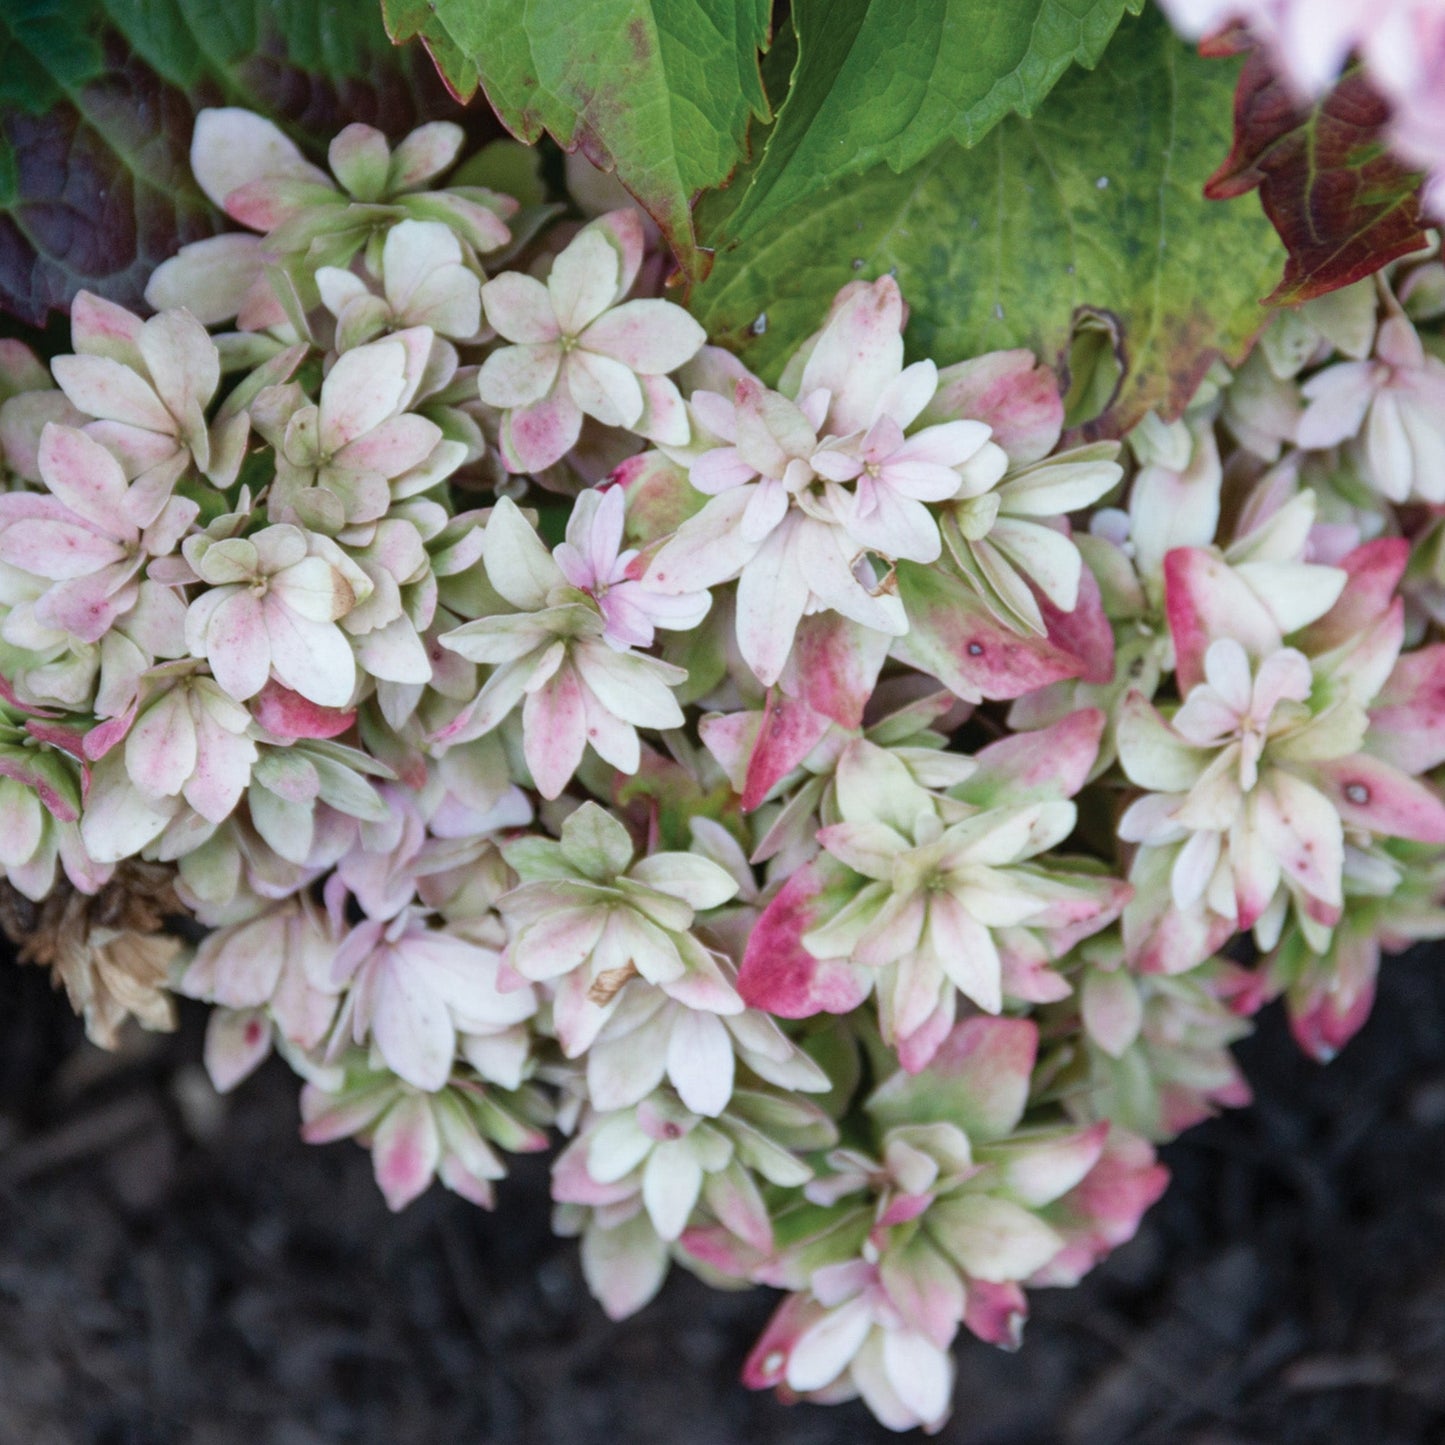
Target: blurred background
[(178, 1269)]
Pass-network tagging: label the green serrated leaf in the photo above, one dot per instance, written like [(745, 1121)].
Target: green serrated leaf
[(662, 90), (97, 99), (1092, 208), (885, 81)]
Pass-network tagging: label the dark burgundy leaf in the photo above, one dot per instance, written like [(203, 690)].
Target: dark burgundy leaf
[(1342, 204)]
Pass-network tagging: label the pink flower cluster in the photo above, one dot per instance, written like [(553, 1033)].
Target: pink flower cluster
[(828, 806)]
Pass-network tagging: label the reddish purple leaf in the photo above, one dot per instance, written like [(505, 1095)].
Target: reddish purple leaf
[(95, 181), (1342, 204)]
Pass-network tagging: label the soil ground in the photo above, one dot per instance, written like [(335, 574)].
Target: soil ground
[(178, 1270)]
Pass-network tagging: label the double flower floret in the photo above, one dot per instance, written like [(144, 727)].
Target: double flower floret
[(579, 349), (257, 175), (1254, 781), (270, 609), (562, 653), (589, 919), (148, 384), (918, 894), (941, 875), (1233, 798), (90, 535), (805, 490), (960, 1205)]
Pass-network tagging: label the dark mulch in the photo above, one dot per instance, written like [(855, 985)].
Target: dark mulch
[(177, 1270)]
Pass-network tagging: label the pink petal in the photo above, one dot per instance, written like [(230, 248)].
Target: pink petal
[(996, 1312), (519, 308), (624, 1266), (824, 1350), (834, 666), (411, 1025), (790, 731), (223, 770), (954, 638), (311, 658), (1375, 570), (906, 396), (535, 436), (185, 367), (1085, 633), (86, 478), (392, 447), (1301, 828), (1283, 676), (720, 470), (837, 465), (160, 751), (707, 549), (625, 230), (1204, 599), (519, 375), (768, 1359), (700, 1062), (772, 595), (362, 390), (583, 281), (1338, 398), (715, 412), (209, 278), (603, 388), (110, 391), (664, 418), (101, 328), (1054, 762), (948, 444), (237, 646), (1011, 393), (613, 739), (1226, 668), (289, 716), (648, 337), (859, 353), (920, 1372), (825, 555), (424, 153), (231, 147), (58, 550), (978, 1079), (554, 731), (406, 1151), (1374, 795), (1404, 722), (778, 974), (237, 1042), (897, 527)]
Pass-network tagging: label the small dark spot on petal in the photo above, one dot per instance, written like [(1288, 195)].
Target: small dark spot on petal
[(975, 649), (1357, 793)]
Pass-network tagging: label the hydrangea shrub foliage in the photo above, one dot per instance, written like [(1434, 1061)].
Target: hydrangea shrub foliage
[(847, 807)]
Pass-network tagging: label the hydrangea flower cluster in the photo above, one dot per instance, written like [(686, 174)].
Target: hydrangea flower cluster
[(854, 815)]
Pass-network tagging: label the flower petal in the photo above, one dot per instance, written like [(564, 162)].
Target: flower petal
[(603, 388), (649, 337), (584, 281)]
